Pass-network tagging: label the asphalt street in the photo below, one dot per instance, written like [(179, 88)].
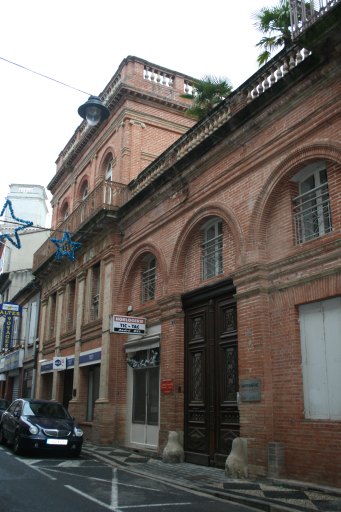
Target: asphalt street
[(53, 483)]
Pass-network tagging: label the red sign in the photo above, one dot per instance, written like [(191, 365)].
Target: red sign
[(167, 386)]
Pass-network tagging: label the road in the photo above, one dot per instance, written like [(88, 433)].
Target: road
[(60, 484)]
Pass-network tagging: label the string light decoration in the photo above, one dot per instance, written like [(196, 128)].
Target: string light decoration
[(65, 247), (23, 224)]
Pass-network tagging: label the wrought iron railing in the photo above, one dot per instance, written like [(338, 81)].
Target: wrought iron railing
[(108, 195), (312, 214)]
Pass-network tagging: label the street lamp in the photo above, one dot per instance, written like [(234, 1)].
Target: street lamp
[(93, 111)]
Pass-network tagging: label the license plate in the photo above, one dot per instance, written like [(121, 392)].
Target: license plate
[(62, 442)]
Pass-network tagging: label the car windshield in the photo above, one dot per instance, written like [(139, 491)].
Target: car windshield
[(42, 410)]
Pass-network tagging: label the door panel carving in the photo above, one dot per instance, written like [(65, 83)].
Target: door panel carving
[(211, 378)]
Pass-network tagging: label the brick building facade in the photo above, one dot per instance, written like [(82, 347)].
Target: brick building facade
[(225, 237)]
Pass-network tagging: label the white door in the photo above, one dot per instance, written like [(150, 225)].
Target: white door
[(145, 407)]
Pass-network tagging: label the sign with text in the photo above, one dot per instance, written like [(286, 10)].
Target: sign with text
[(250, 390), (128, 324), (9, 311), (59, 363)]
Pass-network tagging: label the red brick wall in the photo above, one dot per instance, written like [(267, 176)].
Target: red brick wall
[(244, 180)]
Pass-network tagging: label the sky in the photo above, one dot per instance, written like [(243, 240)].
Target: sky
[(82, 43)]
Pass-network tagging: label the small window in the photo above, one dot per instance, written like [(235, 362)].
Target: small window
[(32, 323), (65, 212), (95, 291), (148, 280), (52, 315), (212, 249), (312, 214), (70, 313), (108, 170), (85, 190)]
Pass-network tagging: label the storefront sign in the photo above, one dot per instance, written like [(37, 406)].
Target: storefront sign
[(13, 360), (128, 324), (167, 386), (250, 390), (9, 311), (46, 367), (59, 363), (90, 357)]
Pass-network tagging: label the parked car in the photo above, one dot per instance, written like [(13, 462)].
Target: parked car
[(30, 424), (3, 405)]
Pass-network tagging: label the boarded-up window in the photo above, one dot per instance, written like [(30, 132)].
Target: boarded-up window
[(320, 324)]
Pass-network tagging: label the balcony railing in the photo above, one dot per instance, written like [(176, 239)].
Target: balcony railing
[(312, 214), (108, 195), (304, 13)]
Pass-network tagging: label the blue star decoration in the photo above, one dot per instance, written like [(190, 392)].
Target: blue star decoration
[(65, 247), (23, 225)]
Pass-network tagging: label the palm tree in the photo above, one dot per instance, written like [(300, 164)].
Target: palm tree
[(274, 23), (206, 94)]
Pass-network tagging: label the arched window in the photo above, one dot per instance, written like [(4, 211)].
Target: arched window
[(65, 211), (212, 249), (108, 169), (84, 190), (312, 206), (148, 278)]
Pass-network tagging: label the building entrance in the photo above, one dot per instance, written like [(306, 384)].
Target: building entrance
[(211, 374)]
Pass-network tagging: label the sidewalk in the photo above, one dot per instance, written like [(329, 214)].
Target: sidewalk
[(268, 495)]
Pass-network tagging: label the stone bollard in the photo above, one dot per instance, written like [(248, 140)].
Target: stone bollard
[(276, 460), (173, 451), (236, 462)]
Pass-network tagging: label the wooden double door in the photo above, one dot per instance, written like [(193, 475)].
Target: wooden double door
[(211, 374)]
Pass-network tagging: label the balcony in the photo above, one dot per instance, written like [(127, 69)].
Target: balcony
[(103, 202), (304, 14)]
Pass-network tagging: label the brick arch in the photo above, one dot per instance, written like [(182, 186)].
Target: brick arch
[(65, 204), (183, 241), (320, 150), (132, 267), (107, 155), (85, 179)]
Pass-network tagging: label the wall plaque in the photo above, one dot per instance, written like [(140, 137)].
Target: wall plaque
[(250, 390), (167, 386)]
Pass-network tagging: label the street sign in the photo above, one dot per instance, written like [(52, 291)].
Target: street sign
[(128, 324)]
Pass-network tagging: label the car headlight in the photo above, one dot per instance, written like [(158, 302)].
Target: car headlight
[(33, 430), (78, 432)]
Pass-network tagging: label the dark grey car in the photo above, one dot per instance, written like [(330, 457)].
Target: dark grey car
[(40, 425)]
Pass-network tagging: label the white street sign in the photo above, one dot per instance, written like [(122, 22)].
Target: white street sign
[(128, 324)]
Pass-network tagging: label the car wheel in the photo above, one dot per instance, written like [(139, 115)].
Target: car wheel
[(17, 449), (2, 437)]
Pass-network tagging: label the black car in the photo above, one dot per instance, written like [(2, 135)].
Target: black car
[(40, 425), (3, 405)]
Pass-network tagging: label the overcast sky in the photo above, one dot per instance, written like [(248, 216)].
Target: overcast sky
[(81, 43)]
